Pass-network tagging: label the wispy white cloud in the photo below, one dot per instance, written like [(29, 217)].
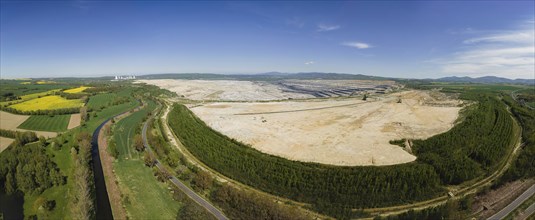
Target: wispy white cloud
[(327, 27), (309, 62), (296, 22), (506, 53), (358, 45)]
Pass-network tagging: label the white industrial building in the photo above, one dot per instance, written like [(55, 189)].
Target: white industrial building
[(117, 78)]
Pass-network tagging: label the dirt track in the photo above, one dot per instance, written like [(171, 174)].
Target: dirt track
[(340, 132)]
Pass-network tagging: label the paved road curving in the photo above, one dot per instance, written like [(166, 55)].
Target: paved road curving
[(190, 193), (517, 202)]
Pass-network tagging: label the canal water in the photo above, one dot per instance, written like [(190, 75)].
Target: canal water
[(103, 207)]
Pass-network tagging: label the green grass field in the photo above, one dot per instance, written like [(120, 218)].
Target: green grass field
[(140, 190), (125, 130), (54, 123), (137, 183), (106, 113), (99, 100)]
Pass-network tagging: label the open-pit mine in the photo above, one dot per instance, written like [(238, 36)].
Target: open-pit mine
[(323, 121)]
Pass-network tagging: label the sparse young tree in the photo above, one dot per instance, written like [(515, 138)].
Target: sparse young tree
[(149, 159), (203, 180), (42, 141), (138, 143), (83, 114)]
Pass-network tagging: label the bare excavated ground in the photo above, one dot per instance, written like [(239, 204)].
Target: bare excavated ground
[(232, 90), (224, 90), (335, 131), (10, 121)]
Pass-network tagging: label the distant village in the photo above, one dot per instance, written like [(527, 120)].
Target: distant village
[(118, 78)]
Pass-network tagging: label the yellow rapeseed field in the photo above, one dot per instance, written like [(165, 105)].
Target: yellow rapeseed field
[(28, 97), (76, 90), (47, 103), (42, 82)]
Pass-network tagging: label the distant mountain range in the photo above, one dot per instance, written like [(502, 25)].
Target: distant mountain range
[(270, 76), (486, 79)]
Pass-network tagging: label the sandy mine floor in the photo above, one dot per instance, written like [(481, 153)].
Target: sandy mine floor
[(74, 121), (232, 90), (340, 132), (12, 121), (225, 90)]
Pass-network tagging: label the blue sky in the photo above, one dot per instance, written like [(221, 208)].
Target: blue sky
[(409, 39)]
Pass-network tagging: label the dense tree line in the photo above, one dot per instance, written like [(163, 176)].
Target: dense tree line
[(471, 148), (239, 204), (452, 210), (8, 96), (28, 169), (71, 95), (97, 88), (83, 202), (524, 165), (326, 187), (61, 111), (21, 137)]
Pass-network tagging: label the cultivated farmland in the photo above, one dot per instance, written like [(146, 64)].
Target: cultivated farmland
[(54, 123), (5, 142), (74, 121), (28, 97), (76, 90), (11, 121), (48, 103), (100, 100)]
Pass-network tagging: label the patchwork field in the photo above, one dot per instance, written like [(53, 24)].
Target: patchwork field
[(56, 123), (12, 121), (29, 97), (48, 103), (339, 132), (77, 90)]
